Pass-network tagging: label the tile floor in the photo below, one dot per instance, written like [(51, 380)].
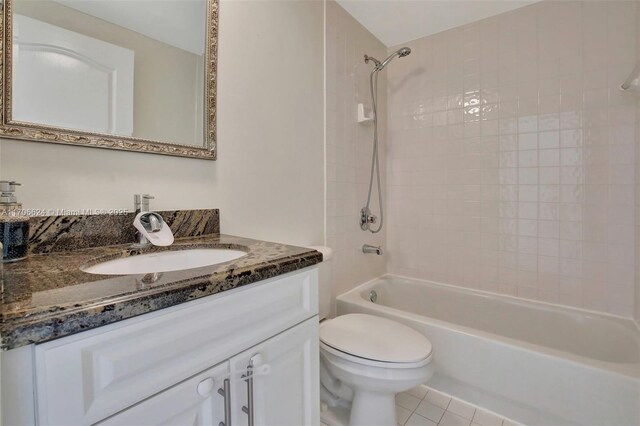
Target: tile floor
[(423, 406)]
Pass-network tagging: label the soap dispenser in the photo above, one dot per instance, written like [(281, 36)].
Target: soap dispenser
[(14, 225)]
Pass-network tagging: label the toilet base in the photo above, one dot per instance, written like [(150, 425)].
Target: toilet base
[(372, 409), (340, 416), (334, 416)]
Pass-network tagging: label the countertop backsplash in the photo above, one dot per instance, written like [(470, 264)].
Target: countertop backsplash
[(50, 234)]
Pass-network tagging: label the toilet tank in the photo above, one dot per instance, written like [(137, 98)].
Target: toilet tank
[(325, 281)]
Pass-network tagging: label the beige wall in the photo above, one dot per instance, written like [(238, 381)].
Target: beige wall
[(166, 78), (511, 154), (637, 253), (349, 148), (269, 177)]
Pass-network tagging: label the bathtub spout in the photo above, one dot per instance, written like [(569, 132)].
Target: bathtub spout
[(366, 249)]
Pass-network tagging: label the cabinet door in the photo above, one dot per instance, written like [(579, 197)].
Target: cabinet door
[(200, 400), (283, 381)]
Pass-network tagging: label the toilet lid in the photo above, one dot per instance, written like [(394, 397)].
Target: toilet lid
[(375, 338)]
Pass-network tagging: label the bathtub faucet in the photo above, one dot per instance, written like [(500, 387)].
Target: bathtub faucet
[(366, 249)]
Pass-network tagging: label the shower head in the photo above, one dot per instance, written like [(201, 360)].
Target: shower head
[(405, 51), (400, 53)]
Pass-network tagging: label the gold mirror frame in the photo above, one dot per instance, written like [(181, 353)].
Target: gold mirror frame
[(43, 133)]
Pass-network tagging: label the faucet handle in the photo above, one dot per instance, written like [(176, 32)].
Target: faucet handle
[(141, 202), (138, 198)]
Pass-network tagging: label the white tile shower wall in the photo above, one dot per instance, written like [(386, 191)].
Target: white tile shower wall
[(511, 156), (349, 148)]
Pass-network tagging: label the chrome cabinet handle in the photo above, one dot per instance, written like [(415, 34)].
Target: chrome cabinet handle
[(248, 409), (225, 391)]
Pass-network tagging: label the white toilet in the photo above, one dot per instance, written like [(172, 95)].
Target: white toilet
[(366, 360)]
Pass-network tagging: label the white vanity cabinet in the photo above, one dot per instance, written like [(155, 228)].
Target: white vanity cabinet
[(247, 356), (196, 401), (280, 387), (271, 384)]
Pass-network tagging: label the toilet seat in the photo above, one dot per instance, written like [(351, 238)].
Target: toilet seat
[(375, 341), (373, 363)]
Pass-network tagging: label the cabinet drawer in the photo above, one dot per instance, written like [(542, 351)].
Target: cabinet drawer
[(87, 377)]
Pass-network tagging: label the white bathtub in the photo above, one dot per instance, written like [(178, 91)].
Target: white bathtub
[(536, 363)]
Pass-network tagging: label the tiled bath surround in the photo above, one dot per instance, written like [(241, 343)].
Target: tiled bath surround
[(511, 155), (349, 148)]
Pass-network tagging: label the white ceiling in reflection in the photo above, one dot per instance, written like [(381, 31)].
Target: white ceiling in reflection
[(398, 21), (179, 23)]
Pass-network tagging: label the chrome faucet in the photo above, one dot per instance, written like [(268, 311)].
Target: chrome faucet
[(366, 249), (151, 221), (155, 223), (141, 202)]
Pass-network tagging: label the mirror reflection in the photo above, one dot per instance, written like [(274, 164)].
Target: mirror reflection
[(117, 67)]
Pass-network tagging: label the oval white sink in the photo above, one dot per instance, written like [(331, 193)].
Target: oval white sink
[(164, 261)]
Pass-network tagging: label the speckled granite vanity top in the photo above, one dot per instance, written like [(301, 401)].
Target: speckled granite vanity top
[(47, 296)]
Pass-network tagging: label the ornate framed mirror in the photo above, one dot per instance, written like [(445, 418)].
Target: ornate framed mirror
[(132, 75)]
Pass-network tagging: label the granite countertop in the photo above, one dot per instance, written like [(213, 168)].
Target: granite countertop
[(47, 296)]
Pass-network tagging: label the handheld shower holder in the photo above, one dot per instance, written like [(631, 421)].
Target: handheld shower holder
[(367, 219)]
